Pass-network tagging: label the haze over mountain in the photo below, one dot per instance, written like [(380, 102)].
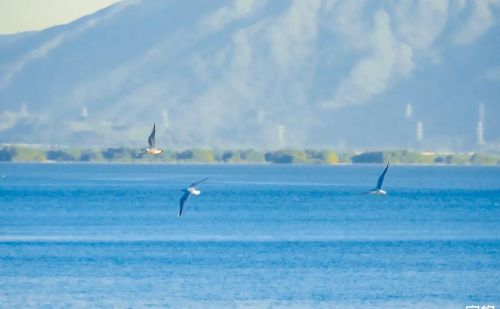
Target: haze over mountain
[(229, 73)]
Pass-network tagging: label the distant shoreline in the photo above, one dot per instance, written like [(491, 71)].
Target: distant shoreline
[(122, 155), (241, 164)]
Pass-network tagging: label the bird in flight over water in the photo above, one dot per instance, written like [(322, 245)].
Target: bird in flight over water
[(378, 190), (187, 193), (152, 150)]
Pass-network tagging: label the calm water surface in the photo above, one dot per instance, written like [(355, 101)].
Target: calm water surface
[(81, 235)]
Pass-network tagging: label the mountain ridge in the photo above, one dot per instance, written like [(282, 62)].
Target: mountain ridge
[(229, 73)]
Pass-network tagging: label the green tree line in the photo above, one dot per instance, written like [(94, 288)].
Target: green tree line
[(308, 156)]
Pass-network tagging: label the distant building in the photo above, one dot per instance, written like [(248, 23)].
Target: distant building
[(281, 135), (85, 113), (480, 133), (480, 126), (408, 111), (24, 110), (420, 131), (166, 120)]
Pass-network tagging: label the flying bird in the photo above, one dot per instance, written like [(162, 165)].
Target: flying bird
[(152, 150), (187, 193), (378, 190)]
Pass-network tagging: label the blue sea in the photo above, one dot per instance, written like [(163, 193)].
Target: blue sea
[(258, 236)]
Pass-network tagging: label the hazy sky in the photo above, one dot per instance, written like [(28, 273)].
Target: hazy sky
[(28, 15)]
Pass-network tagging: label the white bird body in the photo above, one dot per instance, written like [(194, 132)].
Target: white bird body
[(152, 151), (193, 191), (187, 193), (378, 192)]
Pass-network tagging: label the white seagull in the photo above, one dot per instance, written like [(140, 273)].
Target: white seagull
[(187, 193), (152, 144), (378, 190)]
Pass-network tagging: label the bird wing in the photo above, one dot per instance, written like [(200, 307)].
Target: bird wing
[(381, 178), (182, 201), (194, 184), (151, 139)]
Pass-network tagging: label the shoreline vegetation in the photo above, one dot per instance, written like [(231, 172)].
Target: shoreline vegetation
[(23, 153)]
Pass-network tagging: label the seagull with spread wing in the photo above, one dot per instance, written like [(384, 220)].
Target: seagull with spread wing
[(187, 193), (152, 150), (378, 190)]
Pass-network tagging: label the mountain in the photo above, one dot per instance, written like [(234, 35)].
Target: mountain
[(245, 73)]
